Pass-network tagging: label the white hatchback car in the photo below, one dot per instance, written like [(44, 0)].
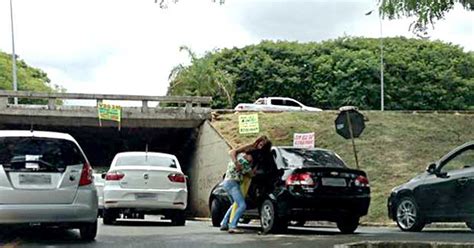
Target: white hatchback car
[(140, 183), (46, 180)]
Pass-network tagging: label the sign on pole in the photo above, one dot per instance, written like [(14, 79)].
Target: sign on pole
[(350, 124), (303, 140), (248, 124), (109, 112)]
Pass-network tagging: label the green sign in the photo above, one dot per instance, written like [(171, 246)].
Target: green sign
[(109, 112), (248, 124)]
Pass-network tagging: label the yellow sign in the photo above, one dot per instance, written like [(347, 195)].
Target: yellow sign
[(248, 124), (109, 112)]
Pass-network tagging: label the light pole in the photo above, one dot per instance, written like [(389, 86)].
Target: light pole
[(15, 85), (381, 61)]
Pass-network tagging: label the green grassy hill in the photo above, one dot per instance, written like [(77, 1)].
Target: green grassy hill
[(393, 148)]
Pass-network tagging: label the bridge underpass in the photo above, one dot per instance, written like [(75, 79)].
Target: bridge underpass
[(100, 144), (174, 130)]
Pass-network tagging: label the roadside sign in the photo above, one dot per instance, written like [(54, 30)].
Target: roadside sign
[(347, 120), (303, 140), (350, 124), (109, 112), (248, 124)]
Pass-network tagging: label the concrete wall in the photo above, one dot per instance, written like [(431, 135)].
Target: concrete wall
[(209, 163)]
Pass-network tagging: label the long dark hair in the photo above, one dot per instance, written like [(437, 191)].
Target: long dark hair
[(260, 155)]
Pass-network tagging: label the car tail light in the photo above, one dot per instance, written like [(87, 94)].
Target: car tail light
[(304, 179), (86, 175), (361, 181), (177, 178), (114, 176)]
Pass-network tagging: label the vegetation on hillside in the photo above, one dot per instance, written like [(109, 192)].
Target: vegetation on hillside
[(29, 78), (418, 74), (393, 148)]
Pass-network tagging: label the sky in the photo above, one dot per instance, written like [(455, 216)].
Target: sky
[(130, 46)]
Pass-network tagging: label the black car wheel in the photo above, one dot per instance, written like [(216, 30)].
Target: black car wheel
[(269, 219), (348, 225), (408, 215), (88, 231), (217, 212), (179, 218), (109, 216)]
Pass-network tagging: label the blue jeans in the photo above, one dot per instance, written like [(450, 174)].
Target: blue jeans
[(232, 188)]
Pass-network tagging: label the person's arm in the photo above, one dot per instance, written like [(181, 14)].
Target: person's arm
[(233, 155)]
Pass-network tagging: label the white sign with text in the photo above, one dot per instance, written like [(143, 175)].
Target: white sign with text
[(303, 140)]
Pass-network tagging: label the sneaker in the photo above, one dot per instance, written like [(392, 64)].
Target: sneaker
[(224, 228), (235, 230)]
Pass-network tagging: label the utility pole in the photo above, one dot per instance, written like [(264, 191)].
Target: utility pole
[(15, 84), (381, 66), (381, 60)]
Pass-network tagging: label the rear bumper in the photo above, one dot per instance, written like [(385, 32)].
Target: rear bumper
[(330, 208), (127, 198), (83, 209)]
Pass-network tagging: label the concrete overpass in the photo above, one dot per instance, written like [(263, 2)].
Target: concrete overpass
[(190, 112), (177, 125)]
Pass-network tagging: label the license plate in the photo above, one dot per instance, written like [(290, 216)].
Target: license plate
[(145, 196), (30, 179), (334, 182)]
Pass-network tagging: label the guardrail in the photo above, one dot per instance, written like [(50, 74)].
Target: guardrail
[(52, 98)]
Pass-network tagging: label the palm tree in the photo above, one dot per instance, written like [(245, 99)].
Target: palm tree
[(203, 80)]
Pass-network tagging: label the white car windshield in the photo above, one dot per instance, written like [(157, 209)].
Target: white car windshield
[(144, 160)]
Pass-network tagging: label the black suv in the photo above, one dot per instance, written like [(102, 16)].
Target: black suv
[(309, 184), (442, 194)]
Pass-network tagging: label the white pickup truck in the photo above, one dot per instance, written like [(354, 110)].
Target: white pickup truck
[(275, 104)]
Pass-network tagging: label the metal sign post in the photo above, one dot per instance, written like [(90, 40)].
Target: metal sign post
[(352, 138), (350, 124)]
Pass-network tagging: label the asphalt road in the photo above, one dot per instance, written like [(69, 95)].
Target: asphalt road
[(153, 232)]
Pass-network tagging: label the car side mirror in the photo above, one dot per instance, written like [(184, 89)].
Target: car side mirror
[(103, 175), (431, 168)]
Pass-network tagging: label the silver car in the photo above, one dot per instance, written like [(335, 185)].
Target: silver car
[(46, 180)]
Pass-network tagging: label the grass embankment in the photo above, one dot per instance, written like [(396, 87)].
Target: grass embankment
[(393, 148)]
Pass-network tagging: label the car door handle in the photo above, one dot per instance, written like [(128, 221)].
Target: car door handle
[(463, 181)]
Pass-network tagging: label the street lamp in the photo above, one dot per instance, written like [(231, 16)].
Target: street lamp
[(15, 85), (381, 61)]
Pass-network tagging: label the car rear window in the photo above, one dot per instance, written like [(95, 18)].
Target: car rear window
[(297, 157), (34, 153), (144, 160)]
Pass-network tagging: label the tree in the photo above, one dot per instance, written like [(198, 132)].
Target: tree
[(202, 79), (426, 11), (419, 74), (29, 78)]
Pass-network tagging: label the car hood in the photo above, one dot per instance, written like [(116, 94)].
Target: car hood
[(410, 184)]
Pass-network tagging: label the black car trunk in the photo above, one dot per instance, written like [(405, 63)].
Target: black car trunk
[(330, 181)]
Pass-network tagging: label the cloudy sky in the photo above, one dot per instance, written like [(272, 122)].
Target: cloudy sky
[(130, 46)]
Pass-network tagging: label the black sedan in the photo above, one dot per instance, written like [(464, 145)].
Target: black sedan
[(300, 185), (444, 193)]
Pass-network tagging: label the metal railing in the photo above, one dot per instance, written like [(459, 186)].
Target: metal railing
[(52, 98)]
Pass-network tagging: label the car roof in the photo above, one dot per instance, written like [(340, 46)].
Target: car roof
[(160, 154), (278, 97), (41, 134)]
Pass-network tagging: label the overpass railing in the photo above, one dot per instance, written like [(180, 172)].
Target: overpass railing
[(54, 98)]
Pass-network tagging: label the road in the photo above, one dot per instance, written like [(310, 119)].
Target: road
[(153, 232)]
